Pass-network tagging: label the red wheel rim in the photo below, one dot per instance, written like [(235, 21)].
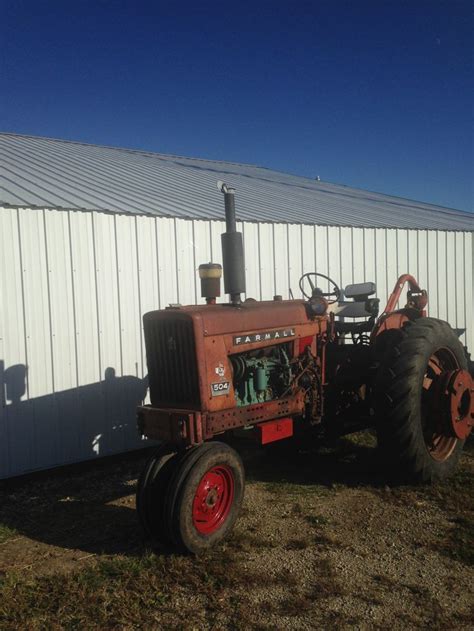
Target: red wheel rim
[(213, 499), (439, 442)]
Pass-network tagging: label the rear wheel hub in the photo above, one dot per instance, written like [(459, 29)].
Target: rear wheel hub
[(456, 395), (446, 404)]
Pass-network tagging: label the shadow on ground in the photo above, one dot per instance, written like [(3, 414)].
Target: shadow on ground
[(88, 510), (350, 462), (92, 508)]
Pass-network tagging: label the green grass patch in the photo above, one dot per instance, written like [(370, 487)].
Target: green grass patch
[(293, 490), (246, 541), (317, 520), (325, 584), (365, 438), (460, 543), (7, 533), (112, 593), (151, 591), (297, 544), (455, 498)]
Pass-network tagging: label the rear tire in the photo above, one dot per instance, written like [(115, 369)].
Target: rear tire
[(415, 446)]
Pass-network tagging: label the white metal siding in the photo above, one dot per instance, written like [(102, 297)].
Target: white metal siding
[(73, 287)]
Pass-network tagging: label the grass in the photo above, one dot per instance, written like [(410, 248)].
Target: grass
[(146, 592), (233, 586), (460, 544), (7, 533), (156, 591), (245, 541), (455, 498), (317, 520), (325, 585), (419, 594), (365, 438), (297, 544), (293, 490)]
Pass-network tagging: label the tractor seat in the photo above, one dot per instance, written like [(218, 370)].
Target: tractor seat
[(361, 306)]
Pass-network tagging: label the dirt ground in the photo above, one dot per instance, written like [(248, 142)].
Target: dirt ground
[(324, 542)]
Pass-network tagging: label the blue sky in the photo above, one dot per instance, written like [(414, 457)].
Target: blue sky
[(377, 95)]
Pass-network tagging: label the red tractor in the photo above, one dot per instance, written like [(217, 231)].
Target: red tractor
[(286, 367)]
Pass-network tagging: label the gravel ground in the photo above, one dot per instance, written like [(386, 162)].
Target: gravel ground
[(323, 541)]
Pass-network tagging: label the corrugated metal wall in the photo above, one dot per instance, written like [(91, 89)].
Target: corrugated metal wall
[(74, 285)]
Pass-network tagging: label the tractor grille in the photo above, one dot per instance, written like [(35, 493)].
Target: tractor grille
[(171, 359)]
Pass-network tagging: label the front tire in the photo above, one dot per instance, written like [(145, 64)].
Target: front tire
[(416, 442), (205, 497), (151, 492)]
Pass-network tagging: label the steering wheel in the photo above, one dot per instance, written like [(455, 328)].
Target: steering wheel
[(336, 292)]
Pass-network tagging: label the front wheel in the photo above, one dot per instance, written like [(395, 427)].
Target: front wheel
[(205, 496), (152, 488), (424, 402)]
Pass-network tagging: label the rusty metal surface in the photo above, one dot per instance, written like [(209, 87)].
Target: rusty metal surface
[(456, 403), (185, 428), (418, 300), (253, 316), (221, 331), (232, 418), (390, 321), (217, 329), (392, 318), (272, 431), (180, 427)]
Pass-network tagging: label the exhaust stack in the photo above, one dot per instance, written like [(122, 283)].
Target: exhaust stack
[(232, 249)]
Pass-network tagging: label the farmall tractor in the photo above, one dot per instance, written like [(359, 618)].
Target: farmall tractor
[(284, 367)]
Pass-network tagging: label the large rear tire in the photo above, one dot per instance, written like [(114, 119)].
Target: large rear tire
[(416, 440)]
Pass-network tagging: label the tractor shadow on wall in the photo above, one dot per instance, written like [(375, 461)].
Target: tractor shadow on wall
[(79, 506), (67, 426)]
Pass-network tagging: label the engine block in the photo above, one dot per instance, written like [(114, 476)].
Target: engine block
[(261, 375)]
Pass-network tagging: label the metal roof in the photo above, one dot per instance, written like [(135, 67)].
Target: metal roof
[(48, 173)]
